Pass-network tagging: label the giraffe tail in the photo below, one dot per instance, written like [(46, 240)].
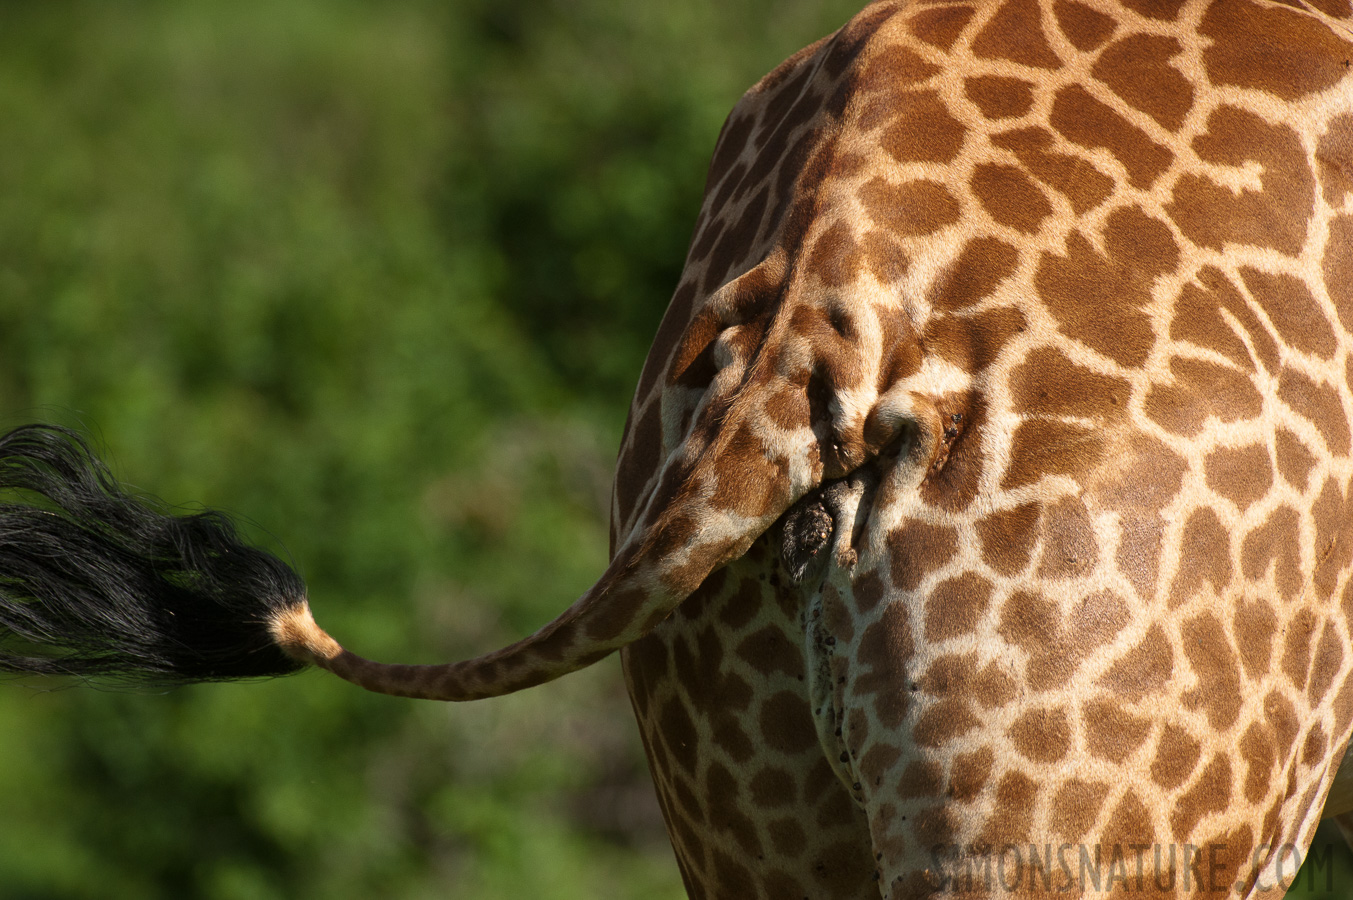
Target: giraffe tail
[(96, 582)]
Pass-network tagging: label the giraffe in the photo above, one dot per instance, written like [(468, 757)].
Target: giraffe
[(981, 522)]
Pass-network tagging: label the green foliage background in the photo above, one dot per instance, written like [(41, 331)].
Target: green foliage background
[(379, 277)]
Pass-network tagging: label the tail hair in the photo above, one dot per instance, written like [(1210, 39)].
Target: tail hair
[(96, 582)]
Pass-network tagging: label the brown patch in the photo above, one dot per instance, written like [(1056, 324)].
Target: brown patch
[(876, 763), (1329, 658), (1233, 852), (728, 148), (969, 774), (1143, 670), (940, 27), (1255, 625), (911, 208), (742, 605), (1242, 475), (1029, 620), (1111, 732), (642, 457), (679, 734), (1076, 806), (1138, 555), (837, 811), (1333, 536), (1201, 389), (1296, 661), (949, 675), (1129, 828), (901, 349), (1343, 706), (781, 884), (1337, 268), (1198, 318), (1282, 716), (933, 827), (821, 781), (1016, 798), (787, 836), (1272, 49), (788, 407), (1098, 298), (1043, 447), (1084, 27), (768, 651), (973, 342), (787, 723), (867, 589), (1145, 478), (1057, 652), (1276, 215), (890, 70), (1069, 545), (885, 649), (955, 478), (999, 97), (1256, 748), (1204, 556), (835, 256), (943, 722), (1214, 663), (1048, 383), (993, 687), (918, 548), (771, 788), (1010, 197), (1008, 537), (921, 778), (1016, 33), (955, 606), (1334, 160), (1276, 543), (731, 878), (748, 481), (1095, 621), (1137, 68), (1294, 312), (1075, 178), (1041, 735), (725, 814), (884, 257), (1314, 747), (1083, 120), (983, 264), (1211, 793), (922, 129), (1176, 757), (1294, 460), (1320, 404)]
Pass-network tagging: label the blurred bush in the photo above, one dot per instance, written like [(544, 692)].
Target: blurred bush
[(378, 277)]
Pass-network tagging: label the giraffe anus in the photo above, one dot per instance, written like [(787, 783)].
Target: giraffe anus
[(984, 502)]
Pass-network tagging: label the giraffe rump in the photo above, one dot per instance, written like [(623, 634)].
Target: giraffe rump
[(96, 582)]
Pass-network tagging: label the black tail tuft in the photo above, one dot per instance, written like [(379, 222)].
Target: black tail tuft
[(96, 582)]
